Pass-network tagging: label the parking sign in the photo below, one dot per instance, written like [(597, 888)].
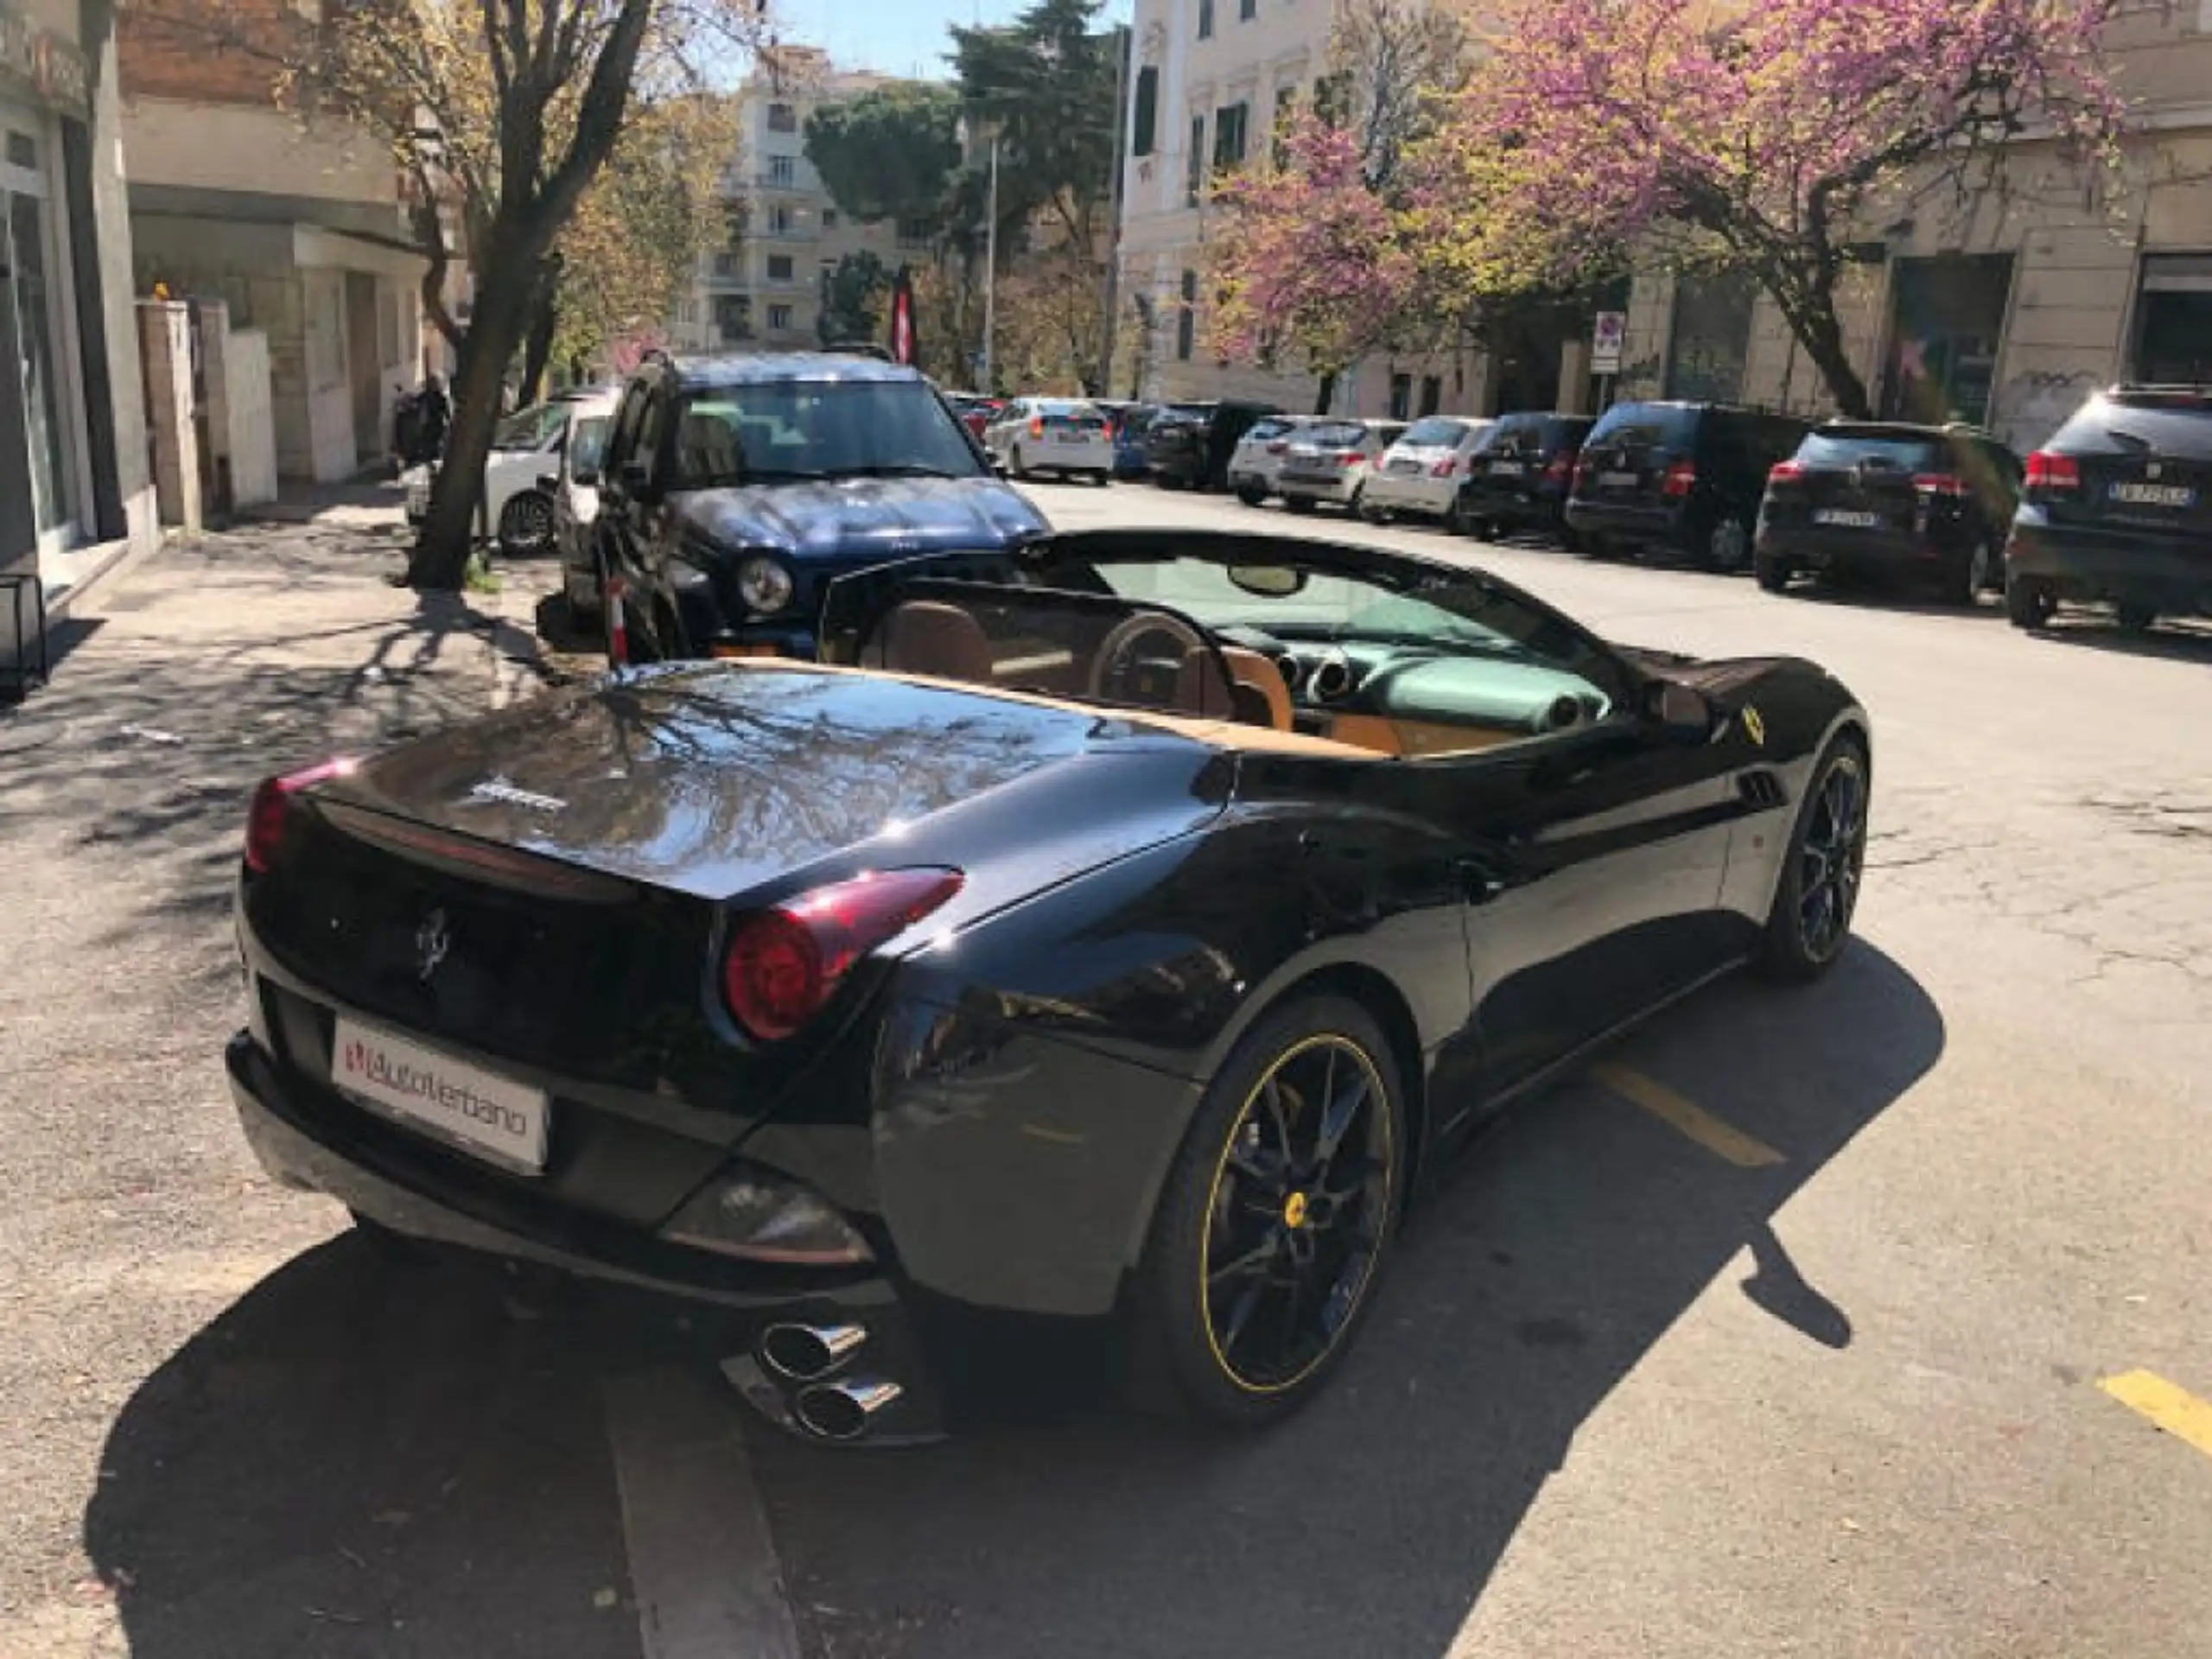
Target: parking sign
[(1606, 341)]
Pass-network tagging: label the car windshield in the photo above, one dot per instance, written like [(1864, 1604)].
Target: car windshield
[(1335, 434), (1843, 448), (528, 429), (1654, 426), (587, 442), (1263, 431), (781, 430), (1434, 433)]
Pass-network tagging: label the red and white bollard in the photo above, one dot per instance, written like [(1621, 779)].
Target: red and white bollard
[(618, 629)]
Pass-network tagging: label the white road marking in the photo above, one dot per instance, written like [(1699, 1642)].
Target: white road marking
[(703, 1565)]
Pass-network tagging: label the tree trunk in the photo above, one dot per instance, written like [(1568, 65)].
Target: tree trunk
[(537, 348), (1325, 393), (441, 558), (1819, 330)]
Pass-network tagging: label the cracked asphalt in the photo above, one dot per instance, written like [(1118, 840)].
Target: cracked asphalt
[(1622, 1396)]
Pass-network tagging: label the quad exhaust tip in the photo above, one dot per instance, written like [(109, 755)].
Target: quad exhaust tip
[(842, 1410), (807, 1353)]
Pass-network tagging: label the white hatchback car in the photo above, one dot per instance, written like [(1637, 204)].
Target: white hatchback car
[(1332, 460), (1422, 473), (526, 446), (1063, 435), (574, 485), (1253, 468)]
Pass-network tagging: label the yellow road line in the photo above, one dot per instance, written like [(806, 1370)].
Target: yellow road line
[(2178, 1411), (1723, 1140)]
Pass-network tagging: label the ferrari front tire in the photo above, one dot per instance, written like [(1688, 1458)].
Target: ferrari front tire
[(1272, 1230), (1823, 863)]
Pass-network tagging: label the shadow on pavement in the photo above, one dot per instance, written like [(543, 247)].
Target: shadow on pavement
[(363, 1459), (1565, 1247), (2165, 642)]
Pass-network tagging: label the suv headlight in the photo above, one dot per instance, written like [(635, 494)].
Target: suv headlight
[(765, 586)]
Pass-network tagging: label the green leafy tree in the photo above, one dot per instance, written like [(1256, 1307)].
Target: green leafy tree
[(889, 153), (853, 296)]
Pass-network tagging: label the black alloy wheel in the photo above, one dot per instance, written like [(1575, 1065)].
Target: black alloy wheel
[(1277, 1216), (526, 525), (1727, 545), (1251, 494), (2030, 602), (1818, 893), (1984, 568)]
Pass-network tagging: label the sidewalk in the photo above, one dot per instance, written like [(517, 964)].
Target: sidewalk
[(135, 1215)]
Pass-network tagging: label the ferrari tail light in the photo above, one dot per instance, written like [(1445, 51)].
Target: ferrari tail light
[(271, 811), (1681, 479), (1444, 467), (783, 965), (1786, 471), (1939, 484), (2053, 474)]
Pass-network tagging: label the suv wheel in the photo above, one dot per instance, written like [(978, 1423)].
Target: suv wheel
[(2029, 602), (1773, 574), (1728, 543), (2135, 616)]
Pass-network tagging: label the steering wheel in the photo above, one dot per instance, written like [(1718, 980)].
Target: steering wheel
[(1118, 655)]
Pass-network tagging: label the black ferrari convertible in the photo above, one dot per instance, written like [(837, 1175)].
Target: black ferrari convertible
[(1125, 930)]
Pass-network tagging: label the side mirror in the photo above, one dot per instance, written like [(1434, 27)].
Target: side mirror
[(548, 481), (1681, 713)]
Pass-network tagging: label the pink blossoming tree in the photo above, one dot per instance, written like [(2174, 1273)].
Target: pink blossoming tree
[(1758, 136)]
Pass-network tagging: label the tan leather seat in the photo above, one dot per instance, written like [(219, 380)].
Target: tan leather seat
[(929, 637), (1261, 683)]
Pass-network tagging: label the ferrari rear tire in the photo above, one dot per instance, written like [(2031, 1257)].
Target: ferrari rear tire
[(1822, 864), (1277, 1218)]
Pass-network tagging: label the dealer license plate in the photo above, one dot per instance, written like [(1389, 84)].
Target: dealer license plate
[(492, 1116), (1850, 517), (2155, 495), (1511, 469)]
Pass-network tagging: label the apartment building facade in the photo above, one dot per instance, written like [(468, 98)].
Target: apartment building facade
[(1209, 82), (764, 290), (75, 488), (299, 227), (2005, 310)]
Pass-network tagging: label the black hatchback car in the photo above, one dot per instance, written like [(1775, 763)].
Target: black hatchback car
[(1520, 478), (736, 489), (2119, 509), (1868, 498), (1682, 478), (1190, 444)]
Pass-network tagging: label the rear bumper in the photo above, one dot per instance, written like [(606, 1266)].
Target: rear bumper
[(1508, 503), (1639, 525), (1411, 493), (2172, 574), (302, 1148), (1338, 489), (1817, 548)]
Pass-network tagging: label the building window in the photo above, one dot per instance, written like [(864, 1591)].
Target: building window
[(828, 219), (1402, 396), (1187, 318), (1229, 136), (783, 171), (1247, 10), (1194, 169), (1333, 98), (780, 267), (733, 316), (2173, 320), (779, 220), (1205, 19), (725, 264), (1144, 120), (1285, 112), (1432, 393), (779, 317), (782, 117)]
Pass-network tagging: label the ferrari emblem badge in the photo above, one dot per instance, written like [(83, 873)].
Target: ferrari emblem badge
[(432, 941), (1294, 1211), (1754, 726)]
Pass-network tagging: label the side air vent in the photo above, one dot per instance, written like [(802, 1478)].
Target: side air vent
[(1761, 790)]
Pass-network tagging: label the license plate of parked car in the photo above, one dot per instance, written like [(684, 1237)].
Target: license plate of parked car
[(2155, 495), (1074, 437), (484, 1112), (1407, 467), (1505, 469), (1618, 481), (1850, 517)]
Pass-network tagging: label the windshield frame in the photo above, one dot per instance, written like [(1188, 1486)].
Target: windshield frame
[(960, 457)]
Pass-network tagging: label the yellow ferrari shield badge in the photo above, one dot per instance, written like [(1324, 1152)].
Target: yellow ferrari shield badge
[(1754, 726)]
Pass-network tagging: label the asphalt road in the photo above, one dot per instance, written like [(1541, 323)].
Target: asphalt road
[(1783, 1332)]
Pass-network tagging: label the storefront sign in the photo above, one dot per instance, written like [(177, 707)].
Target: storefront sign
[(39, 62)]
